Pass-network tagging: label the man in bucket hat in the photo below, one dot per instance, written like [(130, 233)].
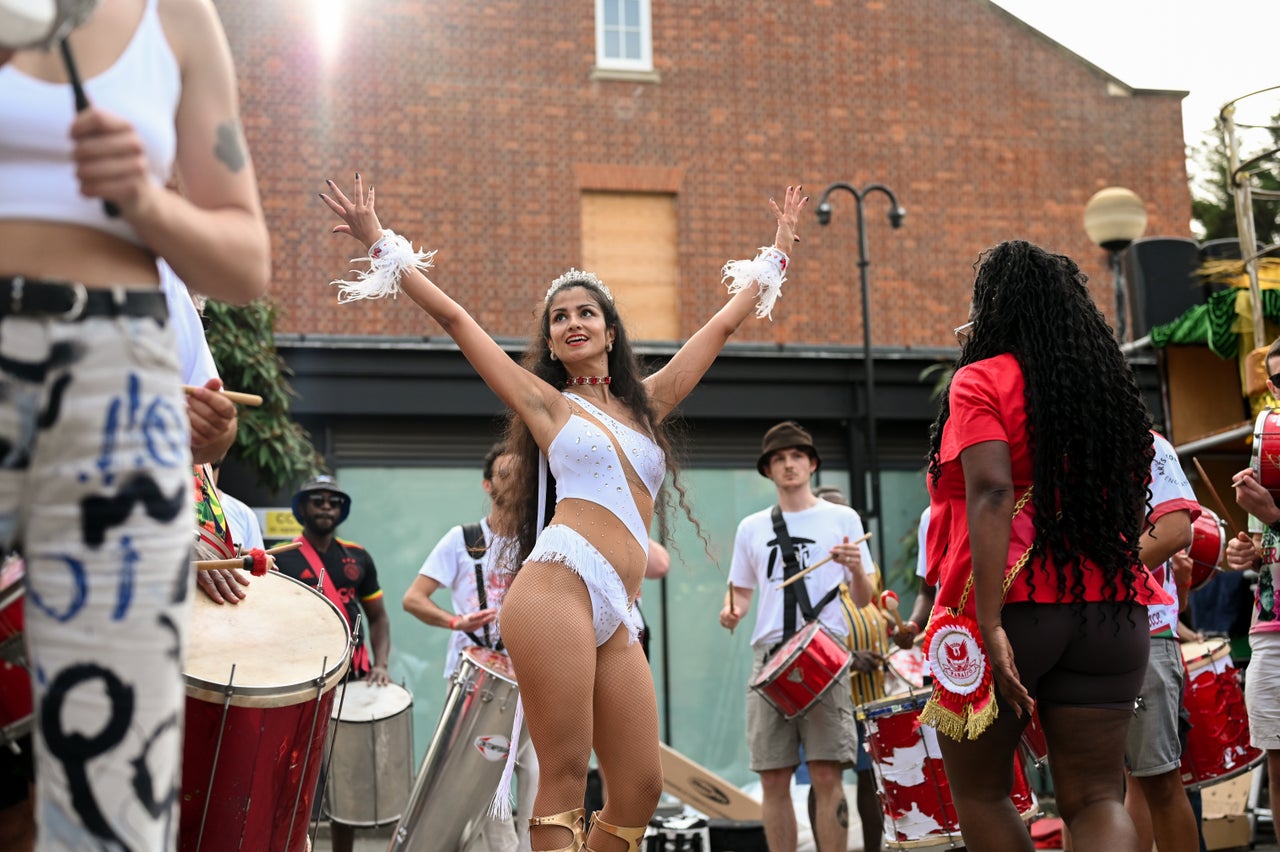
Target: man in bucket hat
[(344, 572), (799, 531)]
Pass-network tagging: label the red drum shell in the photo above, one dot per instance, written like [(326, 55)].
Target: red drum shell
[(915, 795), (1218, 743), (1266, 453), (802, 670), (1208, 544), (255, 738), (15, 680)]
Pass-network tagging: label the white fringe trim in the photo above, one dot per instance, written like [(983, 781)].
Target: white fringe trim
[(503, 800), (565, 546), (768, 270), (388, 258)]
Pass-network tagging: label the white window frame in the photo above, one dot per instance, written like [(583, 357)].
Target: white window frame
[(645, 62)]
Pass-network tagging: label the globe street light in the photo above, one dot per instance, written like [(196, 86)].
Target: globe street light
[(896, 215), (1113, 218)]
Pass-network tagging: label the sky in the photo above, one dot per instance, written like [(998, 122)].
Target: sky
[(1217, 51)]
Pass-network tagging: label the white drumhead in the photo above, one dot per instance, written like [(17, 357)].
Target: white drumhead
[(26, 22), (281, 637), (365, 702)]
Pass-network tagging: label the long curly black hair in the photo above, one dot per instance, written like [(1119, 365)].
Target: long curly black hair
[(626, 383), (1089, 432)]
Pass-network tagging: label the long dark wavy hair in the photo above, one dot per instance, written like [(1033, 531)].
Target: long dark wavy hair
[(625, 383), (1089, 432)]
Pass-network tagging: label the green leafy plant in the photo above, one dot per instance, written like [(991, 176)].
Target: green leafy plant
[(270, 442)]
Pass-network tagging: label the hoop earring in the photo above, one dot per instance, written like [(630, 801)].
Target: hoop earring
[(553, 355), (608, 347)]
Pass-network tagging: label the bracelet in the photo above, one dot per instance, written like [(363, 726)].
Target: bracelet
[(388, 258), (453, 622), (768, 271)]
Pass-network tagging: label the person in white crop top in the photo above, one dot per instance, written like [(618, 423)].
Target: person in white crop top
[(568, 620), (95, 458)]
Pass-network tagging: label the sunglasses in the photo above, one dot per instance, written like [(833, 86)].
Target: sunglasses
[(962, 332), (321, 500), (1275, 379)]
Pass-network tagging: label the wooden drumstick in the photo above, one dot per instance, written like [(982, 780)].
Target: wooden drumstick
[(815, 566), (250, 399), (1222, 507), (238, 562)]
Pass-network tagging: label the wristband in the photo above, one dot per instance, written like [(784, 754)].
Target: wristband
[(768, 272), (388, 258), (453, 622)]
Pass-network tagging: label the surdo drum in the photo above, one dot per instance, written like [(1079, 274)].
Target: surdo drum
[(1218, 743), (371, 754), (260, 676)]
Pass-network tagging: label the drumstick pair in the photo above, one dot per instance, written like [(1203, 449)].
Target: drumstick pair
[(815, 566), (238, 562), (250, 399)]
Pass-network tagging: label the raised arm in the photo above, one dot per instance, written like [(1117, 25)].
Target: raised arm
[(668, 386), (530, 397)]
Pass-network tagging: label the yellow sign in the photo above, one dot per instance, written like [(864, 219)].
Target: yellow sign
[(280, 523)]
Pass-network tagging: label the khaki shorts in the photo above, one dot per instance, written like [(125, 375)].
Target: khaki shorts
[(1262, 691), (1153, 747), (827, 730)]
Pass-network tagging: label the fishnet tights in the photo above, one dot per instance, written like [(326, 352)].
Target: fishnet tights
[(577, 695)]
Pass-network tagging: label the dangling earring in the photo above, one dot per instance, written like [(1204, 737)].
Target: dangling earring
[(553, 354)]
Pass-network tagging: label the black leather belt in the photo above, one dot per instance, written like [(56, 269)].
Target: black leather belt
[(71, 301)]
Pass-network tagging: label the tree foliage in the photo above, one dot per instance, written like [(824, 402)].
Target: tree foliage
[(270, 442), (1212, 205)]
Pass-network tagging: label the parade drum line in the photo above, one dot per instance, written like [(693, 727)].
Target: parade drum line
[(1218, 743), (914, 794), (370, 754), (1209, 541), (802, 670), (464, 762), (260, 679), (15, 679)]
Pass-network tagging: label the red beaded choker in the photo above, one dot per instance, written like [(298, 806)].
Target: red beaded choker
[(587, 380)]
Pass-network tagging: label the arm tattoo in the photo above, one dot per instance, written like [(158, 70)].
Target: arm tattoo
[(229, 148)]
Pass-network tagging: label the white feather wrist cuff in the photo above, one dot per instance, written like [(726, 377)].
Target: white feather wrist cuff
[(388, 258), (768, 270)]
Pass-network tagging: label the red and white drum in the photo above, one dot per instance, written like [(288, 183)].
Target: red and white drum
[(15, 679), (1035, 748), (260, 678), (914, 793), (1266, 452), (1218, 744), (1208, 545), (802, 670), (906, 671)]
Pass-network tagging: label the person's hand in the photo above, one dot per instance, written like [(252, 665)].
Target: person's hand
[(378, 676), (1253, 498), (357, 213), (472, 621), (906, 637), (1182, 565), (211, 414), (847, 554), (1005, 673), (110, 160), (222, 585), (866, 661), (1242, 553), (729, 617), (788, 218)]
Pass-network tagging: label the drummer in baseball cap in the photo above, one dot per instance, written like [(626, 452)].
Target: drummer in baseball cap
[(322, 484)]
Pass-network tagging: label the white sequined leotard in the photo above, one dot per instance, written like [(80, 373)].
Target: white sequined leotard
[(586, 467)]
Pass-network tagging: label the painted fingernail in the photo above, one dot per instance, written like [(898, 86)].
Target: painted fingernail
[(329, 182), (357, 176)]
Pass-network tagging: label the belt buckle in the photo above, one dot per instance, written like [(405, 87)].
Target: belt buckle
[(81, 298)]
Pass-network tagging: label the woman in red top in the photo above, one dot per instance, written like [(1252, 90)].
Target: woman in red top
[(1043, 397)]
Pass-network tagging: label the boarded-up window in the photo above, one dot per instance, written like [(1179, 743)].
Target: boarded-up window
[(629, 240)]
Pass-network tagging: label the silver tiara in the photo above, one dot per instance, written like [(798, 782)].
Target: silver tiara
[(577, 276)]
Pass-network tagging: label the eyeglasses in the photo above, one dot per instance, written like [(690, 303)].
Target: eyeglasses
[(322, 499), (963, 332)]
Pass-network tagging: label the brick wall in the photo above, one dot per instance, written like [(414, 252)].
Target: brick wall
[(479, 122)]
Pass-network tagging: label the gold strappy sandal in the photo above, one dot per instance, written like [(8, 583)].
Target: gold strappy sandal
[(631, 836), (574, 820)]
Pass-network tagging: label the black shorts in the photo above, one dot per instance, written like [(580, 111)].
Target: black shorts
[(17, 772), (1083, 655)]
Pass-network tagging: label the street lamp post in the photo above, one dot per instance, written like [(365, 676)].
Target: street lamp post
[(896, 215), (1113, 218)]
